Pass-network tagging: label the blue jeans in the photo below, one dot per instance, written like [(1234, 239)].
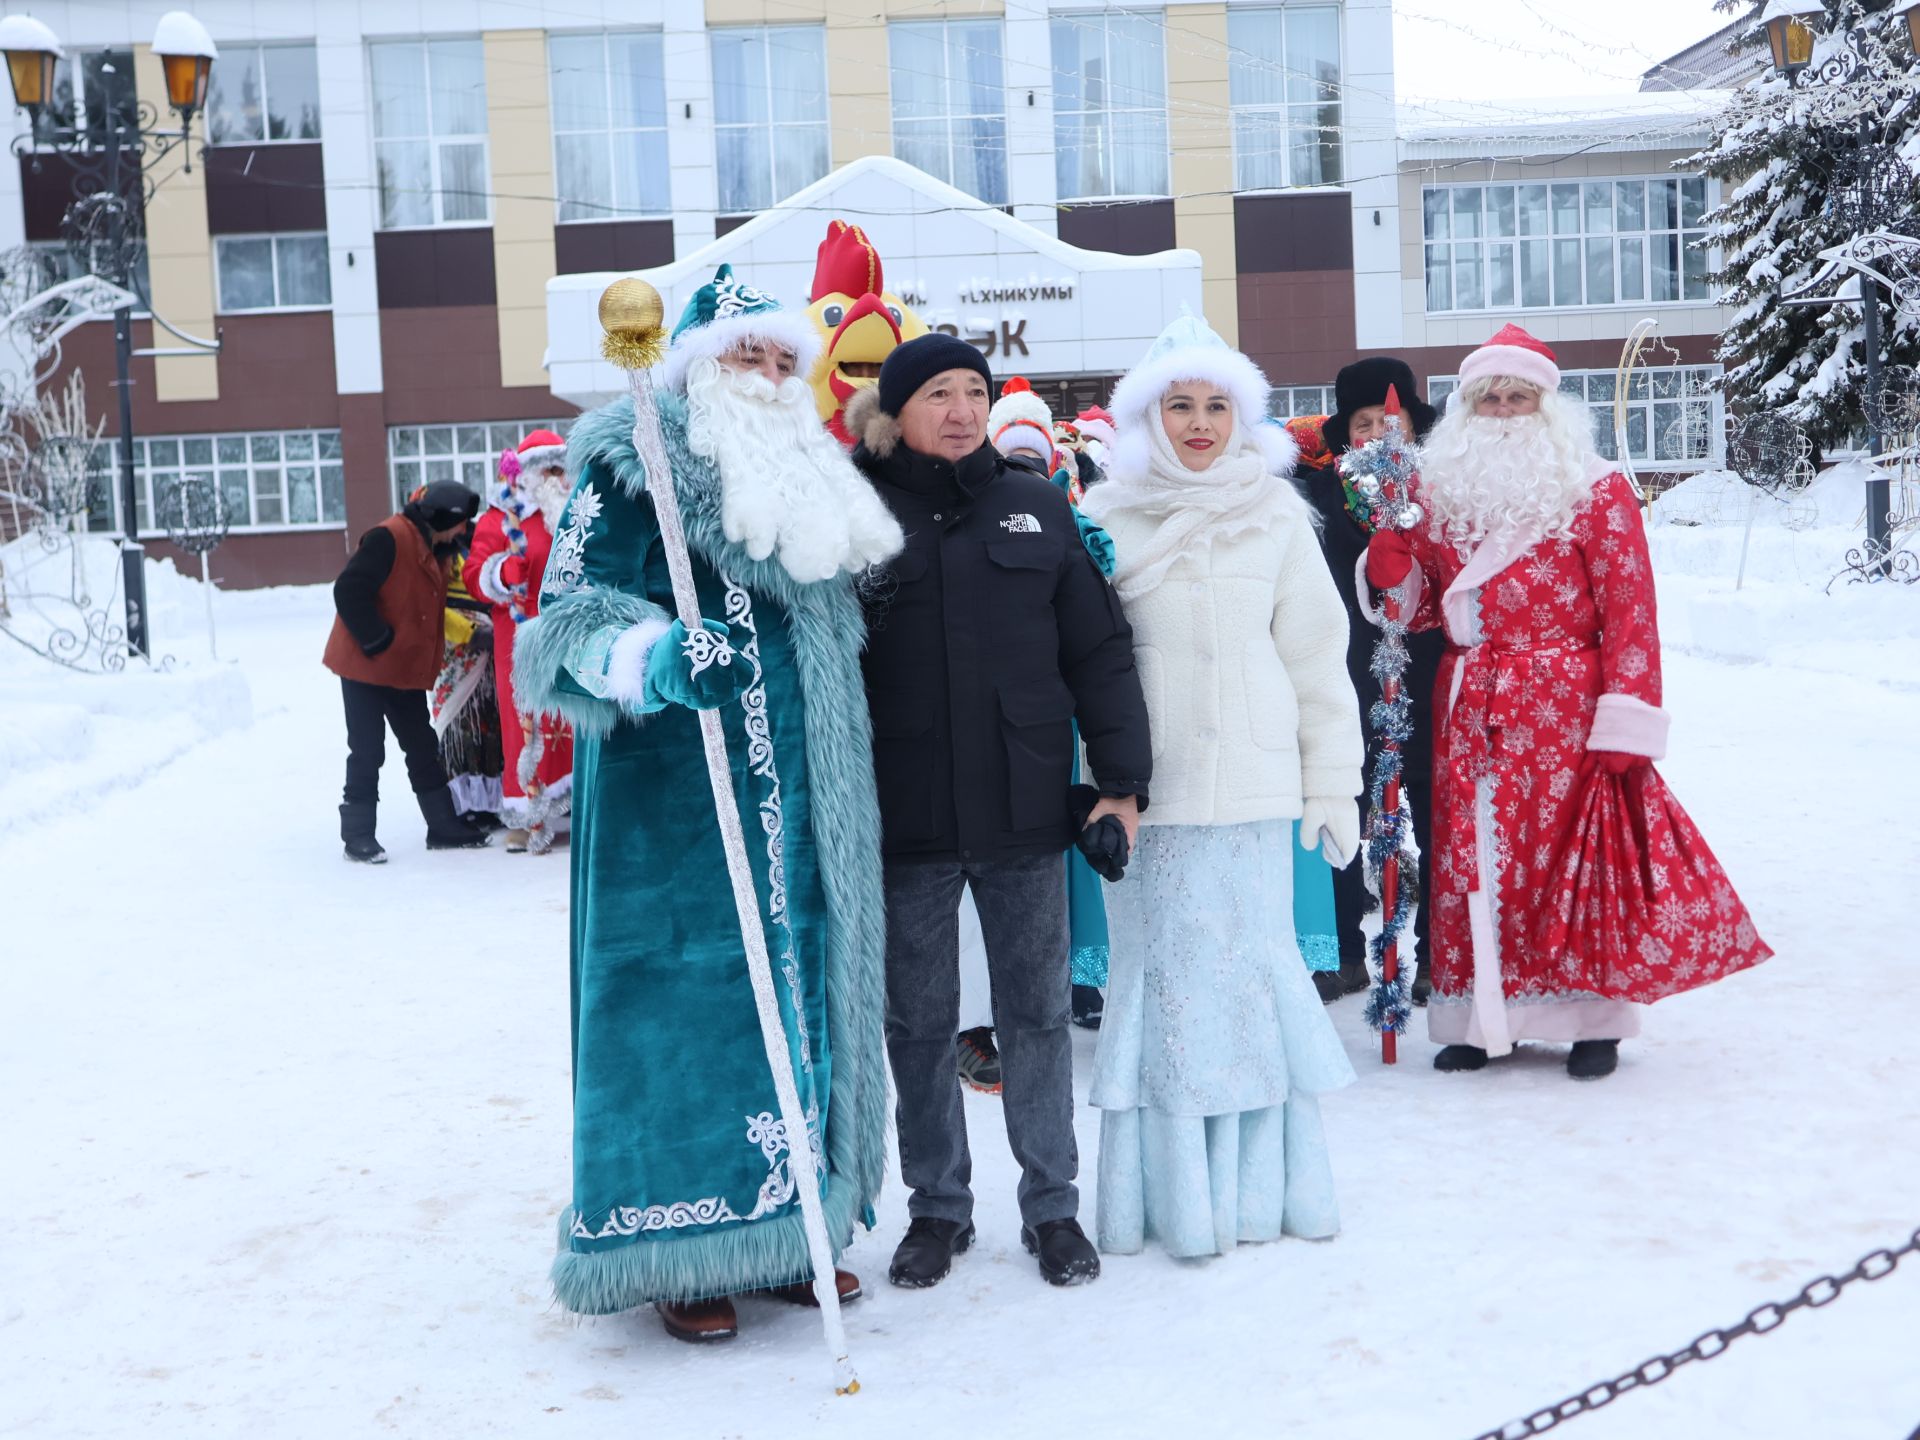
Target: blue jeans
[(1023, 919)]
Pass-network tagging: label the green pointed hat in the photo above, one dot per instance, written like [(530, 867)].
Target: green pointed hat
[(725, 313)]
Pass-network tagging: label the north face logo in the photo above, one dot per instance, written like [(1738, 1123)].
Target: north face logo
[(1020, 525)]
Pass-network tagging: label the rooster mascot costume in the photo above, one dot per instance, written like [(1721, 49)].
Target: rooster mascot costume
[(859, 322)]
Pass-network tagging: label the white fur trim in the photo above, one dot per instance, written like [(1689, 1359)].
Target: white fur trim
[(627, 663), (1630, 726), (490, 584), (541, 456), (1023, 435), (1491, 362), (1136, 405), (790, 329), (1096, 430), (1017, 406)]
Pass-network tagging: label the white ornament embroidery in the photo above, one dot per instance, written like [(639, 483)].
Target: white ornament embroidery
[(566, 565)]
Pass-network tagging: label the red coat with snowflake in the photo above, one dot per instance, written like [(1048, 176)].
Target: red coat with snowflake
[(1540, 929), (490, 553)]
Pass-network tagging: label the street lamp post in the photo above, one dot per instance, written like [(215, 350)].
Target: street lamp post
[(1874, 186), (103, 224)]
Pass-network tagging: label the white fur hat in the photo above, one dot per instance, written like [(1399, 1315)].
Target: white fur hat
[(1188, 349), (1020, 420)]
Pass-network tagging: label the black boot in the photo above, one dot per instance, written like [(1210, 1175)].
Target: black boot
[(1326, 984), (1066, 1256), (445, 829), (1354, 976), (1460, 1057), (925, 1254), (1088, 1006), (1593, 1059), (1422, 984), (356, 833)]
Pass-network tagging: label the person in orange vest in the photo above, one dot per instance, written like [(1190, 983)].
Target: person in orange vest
[(386, 647)]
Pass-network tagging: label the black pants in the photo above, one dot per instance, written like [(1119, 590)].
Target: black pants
[(1023, 919), (370, 709), (1351, 900)]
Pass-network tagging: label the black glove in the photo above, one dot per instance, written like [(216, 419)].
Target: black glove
[(380, 645), (1104, 843)]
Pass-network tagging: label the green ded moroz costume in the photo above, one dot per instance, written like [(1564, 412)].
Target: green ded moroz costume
[(684, 1178)]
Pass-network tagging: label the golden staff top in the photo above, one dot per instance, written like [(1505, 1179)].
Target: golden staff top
[(635, 322)]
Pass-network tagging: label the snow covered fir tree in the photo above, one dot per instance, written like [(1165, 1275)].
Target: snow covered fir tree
[(1782, 155)]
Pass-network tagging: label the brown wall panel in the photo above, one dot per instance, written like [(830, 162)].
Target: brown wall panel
[(418, 269), (1293, 232), (1130, 227), (612, 245), (256, 189), (363, 453), (45, 195), (443, 365), (1298, 326), (727, 224), (245, 562)]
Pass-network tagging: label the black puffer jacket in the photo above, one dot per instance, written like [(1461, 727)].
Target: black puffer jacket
[(987, 637)]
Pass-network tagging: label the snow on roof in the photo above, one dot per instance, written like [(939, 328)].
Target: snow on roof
[(1641, 120)]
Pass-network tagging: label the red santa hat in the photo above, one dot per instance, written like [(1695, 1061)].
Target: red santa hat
[(1020, 420), (1096, 423), (1512, 354), (541, 449)]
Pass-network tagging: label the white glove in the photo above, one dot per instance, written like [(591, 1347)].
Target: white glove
[(1333, 824)]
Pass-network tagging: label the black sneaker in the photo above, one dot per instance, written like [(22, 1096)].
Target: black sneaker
[(1460, 1057), (925, 1254), (1593, 1059), (979, 1060), (1422, 984), (1066, 1256), (1088, 1006)]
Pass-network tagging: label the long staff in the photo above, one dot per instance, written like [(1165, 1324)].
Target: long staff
[(631, 313)]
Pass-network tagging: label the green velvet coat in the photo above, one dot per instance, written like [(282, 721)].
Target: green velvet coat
[(683, 1177)]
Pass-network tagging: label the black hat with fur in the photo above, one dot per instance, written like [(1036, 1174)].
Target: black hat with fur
[(1365, 383)]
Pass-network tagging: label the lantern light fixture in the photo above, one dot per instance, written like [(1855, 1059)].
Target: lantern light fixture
[(1789, 27), (32, 51)]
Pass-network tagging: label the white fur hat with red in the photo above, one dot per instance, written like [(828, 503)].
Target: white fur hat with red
[(1513, 354), (541, 449), (1020, 420)]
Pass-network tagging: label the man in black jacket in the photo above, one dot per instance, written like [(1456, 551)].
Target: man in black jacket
[(1360, 397), (987, 637)]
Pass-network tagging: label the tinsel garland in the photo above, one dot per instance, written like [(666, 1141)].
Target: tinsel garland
[(1379, 477)]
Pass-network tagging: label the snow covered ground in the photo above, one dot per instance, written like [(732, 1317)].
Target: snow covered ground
[(286, 1137)]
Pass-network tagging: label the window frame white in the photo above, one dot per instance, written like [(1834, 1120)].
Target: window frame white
[(1324, 401), (1103, 18), (611, 212), (1239, 57), (431, 138), (71, 67), (107, 519), (278, 307), (259, 48), (1703, 377), (463, 458), (772, 124), (949, 117), (1584, 238)]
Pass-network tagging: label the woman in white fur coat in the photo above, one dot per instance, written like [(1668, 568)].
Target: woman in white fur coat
[(1215, 1049)]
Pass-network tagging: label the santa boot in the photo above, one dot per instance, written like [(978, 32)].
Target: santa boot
[(1422, 984), (1460, 1057), (1593, 1059), (445, 829), (356, 833), (699, 1322)]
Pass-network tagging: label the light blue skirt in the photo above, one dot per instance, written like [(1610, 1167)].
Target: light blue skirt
[(1214, 1050)]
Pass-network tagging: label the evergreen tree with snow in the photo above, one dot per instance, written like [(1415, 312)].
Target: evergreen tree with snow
[(1777, 151)]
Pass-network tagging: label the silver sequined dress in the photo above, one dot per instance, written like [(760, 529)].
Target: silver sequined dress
[(1214, 1049)]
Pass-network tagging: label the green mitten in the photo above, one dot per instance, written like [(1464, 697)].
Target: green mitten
[(702, 674)]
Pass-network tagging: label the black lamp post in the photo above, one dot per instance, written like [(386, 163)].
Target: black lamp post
[(104, 224), (1873, 187)]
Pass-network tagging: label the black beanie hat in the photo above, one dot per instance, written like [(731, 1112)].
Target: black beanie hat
[(913, 364), (443, 504), (1365, 383)]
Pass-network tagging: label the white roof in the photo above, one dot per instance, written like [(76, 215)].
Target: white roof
[(1640, 120)]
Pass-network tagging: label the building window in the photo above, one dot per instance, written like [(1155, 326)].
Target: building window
[(950, 103), (1284, 87), (769, 112), (609, 125), (271, 479), (430, 132), (1570, 243), (93, 93), (54, 263), (272, 272), (1109, 104), (260, 93), (420, 454), (1290, 402), (1674, 417)]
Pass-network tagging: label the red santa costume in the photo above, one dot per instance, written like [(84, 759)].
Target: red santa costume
[(1569, 886), (508, 557)]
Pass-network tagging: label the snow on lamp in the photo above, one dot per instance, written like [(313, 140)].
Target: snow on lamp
[(32, 51), (187, 53), (1789, 25)]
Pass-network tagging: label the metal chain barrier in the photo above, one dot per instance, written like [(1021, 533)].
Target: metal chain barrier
[(1710, 1346)]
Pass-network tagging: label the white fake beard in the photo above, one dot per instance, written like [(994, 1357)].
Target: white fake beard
[(785, 484), (549, 494), (1522, 475)]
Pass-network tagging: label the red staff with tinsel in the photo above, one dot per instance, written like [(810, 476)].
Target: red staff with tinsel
[(514, 508), (1381, 474)]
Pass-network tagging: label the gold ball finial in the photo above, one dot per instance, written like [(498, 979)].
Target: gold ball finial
[(634, 319)]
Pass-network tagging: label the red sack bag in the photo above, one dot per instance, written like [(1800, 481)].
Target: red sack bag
[(1635, 906)]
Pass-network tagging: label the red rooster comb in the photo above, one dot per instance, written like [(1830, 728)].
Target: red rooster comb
[(847, 263)]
